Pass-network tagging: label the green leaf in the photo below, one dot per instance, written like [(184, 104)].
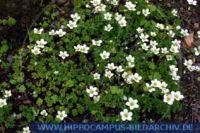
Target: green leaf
[(4, 47), (39, 102), (21, 88), (74, 112), (69, 84), (152, 8), (115, 90), (157, 75), (11, 21), (152, 66), (54, 98)]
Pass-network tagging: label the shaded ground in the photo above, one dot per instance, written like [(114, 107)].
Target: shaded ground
[(26, 12), (190, 84)]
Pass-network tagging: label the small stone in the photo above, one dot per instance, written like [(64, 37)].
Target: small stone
[(196, 26)]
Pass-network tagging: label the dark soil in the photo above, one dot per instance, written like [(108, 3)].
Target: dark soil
[(189, 83), (25, 12)]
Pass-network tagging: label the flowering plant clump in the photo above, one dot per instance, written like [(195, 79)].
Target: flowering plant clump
[(107, 61), (105, 51)]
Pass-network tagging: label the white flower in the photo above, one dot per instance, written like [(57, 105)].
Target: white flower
[(96, 98), (87, 6), (178, 27), (175, 77), (131, 64), (56, 72), (41, 43), (174, 49), (111, 66), (137, 77), (197, 51), (173, 68), (2, 102), (43, 113), (133, 104), (63, 54), (107, 16), (115, 2), (36, 50), (119, 69), (188, 63), (177, 95), (155, 50), (164, 50), (151, 90), (155, 83), (52, 32), (143, 37), (173, 72), (165, 91), (7, 93), (108, 74), (147, 85), (176, 42), (184, 32), (125, 115), (122, 23), (174, 12), (96, 76), (60, 32), (153, 43), (140, 30), (168, 27), (145, 46), (97, 43), (108, 27), (120, 19), (105, 55), (82, 48), (128, 77), (169, 57), (61, 115), (192, 2), (163, 85), (100, 8), (38, 31), (95, 2), (198, 33), (168, 98), (75, 17), (153, 34), (197, 68), (72, 24), (26, 130), (130, 6), (171, 34), (92, 91), (146, 12), (125, 98), (130, 58), (160, 26)]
